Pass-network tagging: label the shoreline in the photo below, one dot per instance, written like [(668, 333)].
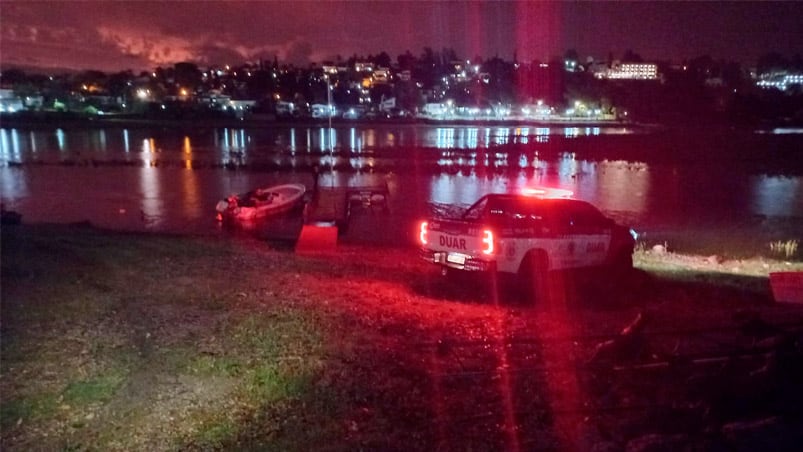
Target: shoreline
[(76, 121), (267, 121), (645, 257)]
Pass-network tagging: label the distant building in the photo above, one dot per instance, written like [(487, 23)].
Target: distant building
[(353, 111), (783, 81), (572, 66), (240, 105), (34, 102), (458, 71), (9, 102), (323, 111), (538, 110), (598, 68), (102, 102), (381, 75), (363, 66), (215, 100), (630, 71), (286, 109), (387, 104), (435, 110)]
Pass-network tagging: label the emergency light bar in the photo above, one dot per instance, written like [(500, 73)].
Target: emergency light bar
[(547, 192)]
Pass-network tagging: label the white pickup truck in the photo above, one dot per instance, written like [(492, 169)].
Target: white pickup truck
[(527, 236)]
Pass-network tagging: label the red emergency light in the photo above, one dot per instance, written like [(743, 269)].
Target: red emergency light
[(545, 192), (422, 232), (487, 241)]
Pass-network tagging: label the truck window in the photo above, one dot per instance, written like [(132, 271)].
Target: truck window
[(515, 212), (587, 215), (477, 211), (498, 212), (528, 212), (582, 217)]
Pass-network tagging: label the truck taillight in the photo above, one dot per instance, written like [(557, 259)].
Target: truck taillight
[(487, 241), (422, 232)]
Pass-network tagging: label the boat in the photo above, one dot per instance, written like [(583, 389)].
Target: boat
[(260, 203)]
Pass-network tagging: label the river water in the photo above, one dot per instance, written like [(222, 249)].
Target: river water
[(725, 191)]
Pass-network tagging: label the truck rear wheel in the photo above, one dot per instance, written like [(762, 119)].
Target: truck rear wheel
[(621, 266), (533, 276)]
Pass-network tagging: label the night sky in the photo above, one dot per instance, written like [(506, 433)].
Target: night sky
[(113, 36)]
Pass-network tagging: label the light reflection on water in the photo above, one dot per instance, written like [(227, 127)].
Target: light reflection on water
[(777, 195), (228, 141), (783, 131), (170, 179), (61, 140), (191, 200), (152, 207)]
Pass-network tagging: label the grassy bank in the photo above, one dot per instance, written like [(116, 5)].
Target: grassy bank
[(116, 341), (154, 336)]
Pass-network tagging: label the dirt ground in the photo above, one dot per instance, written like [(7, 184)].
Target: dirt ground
[(685, 353)]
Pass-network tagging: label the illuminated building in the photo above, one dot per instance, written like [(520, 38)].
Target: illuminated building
[(780, 80), (363, 66), (329, 69), (630, 71), (9, 102), (381, 75)]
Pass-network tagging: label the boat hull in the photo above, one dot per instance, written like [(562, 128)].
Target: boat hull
[(261, 203)]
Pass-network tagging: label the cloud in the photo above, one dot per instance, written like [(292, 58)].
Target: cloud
[(299, 53), (156, 49), (215, 54), (60, 47), (144, 34)]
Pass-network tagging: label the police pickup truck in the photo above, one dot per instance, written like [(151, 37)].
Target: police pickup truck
[(527, 235)]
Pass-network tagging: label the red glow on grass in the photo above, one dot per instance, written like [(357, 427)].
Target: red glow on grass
[(563, 386), (505, 385)]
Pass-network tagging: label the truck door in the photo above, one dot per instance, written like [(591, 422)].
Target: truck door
[(589, 233)]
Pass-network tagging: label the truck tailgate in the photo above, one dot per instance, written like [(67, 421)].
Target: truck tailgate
[(455, 237)]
